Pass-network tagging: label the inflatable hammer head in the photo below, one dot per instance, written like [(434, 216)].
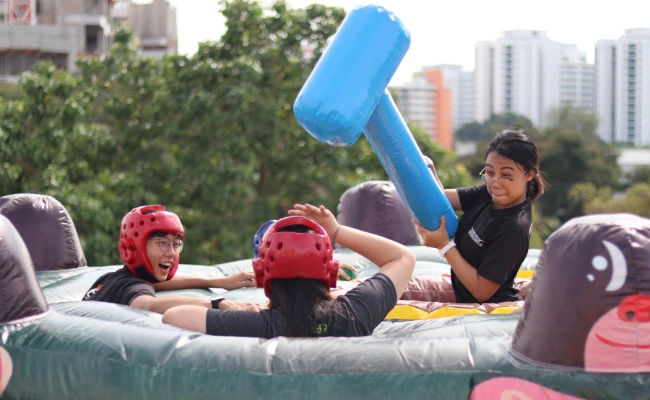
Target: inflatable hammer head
[(343, 90), (295, 247), (136, 227), (589, 303)]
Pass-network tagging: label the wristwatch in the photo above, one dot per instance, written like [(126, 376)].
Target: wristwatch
[(215, 302)]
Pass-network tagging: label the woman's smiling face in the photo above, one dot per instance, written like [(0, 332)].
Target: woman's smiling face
[(506, 181)]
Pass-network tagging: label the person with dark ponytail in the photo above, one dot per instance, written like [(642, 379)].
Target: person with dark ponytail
[(294, 265), (494, 231)]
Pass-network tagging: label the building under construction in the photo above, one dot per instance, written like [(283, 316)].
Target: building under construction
[(62, 31)]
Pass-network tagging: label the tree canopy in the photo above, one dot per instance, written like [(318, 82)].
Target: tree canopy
[(211, 136), (484, 132)]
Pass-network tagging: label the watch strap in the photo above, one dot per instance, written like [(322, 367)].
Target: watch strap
[(215, 302)]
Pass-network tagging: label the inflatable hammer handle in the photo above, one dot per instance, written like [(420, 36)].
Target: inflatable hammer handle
[(402, 159)]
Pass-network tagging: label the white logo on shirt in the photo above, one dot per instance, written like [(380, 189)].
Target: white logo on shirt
[(475, 238)]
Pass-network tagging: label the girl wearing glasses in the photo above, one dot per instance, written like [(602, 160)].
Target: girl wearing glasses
[(494, 231), (151, 240)]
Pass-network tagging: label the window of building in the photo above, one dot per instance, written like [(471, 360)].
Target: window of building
[(93, 38)]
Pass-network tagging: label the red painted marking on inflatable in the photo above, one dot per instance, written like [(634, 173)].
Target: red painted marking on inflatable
[(622, 345)]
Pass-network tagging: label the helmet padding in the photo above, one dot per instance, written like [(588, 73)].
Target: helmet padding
[(286, 252)]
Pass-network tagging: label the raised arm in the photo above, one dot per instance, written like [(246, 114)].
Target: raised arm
[(394, 260)]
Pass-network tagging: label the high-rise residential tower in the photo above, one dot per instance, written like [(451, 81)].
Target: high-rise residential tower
[(623, 82), (524, 72)]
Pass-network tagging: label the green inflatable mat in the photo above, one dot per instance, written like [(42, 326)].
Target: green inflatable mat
[(94, 350), (107, 351)]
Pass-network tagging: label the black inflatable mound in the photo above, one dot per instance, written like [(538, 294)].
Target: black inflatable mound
[(376, 207), (20, 294), (46, 229)]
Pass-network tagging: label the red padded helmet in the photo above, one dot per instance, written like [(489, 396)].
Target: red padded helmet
[(284, 254), (136, 227)]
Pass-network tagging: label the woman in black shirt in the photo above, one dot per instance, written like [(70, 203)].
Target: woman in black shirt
[(494, 232)]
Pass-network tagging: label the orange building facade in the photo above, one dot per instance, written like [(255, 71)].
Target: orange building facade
[(427, 103), (444, 132)]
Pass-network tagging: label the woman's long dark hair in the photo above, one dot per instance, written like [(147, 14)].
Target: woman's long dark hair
[(517, 146), (300, 300)]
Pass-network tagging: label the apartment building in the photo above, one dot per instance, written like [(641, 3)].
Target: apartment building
[(623, 82), (55, 30), (64, 30), (461, 85), (426, 102), (525, 72), (153, 25)]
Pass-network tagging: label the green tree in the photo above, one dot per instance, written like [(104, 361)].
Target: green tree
[(638, 175), (211, 136), (10, 91), (570, 157), (484, 132), (635, 200), (574, 119)]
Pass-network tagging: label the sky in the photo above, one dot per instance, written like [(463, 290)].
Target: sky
[(445, 32)]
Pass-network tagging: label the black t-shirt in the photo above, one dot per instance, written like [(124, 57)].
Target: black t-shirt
[(119, 287), (495, 242), (355, 313)]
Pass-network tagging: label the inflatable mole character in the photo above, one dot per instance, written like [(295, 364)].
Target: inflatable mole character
[(589, 305)]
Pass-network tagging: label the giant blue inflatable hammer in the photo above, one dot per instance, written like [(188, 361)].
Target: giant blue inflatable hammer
[(346, 95)]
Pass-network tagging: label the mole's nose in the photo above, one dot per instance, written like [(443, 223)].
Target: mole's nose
[(635, 308)]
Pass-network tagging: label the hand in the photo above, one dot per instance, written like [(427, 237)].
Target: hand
[(240, 305), (321, 215), (438, 238), (239, 280), (429, 163), (347, 272)]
